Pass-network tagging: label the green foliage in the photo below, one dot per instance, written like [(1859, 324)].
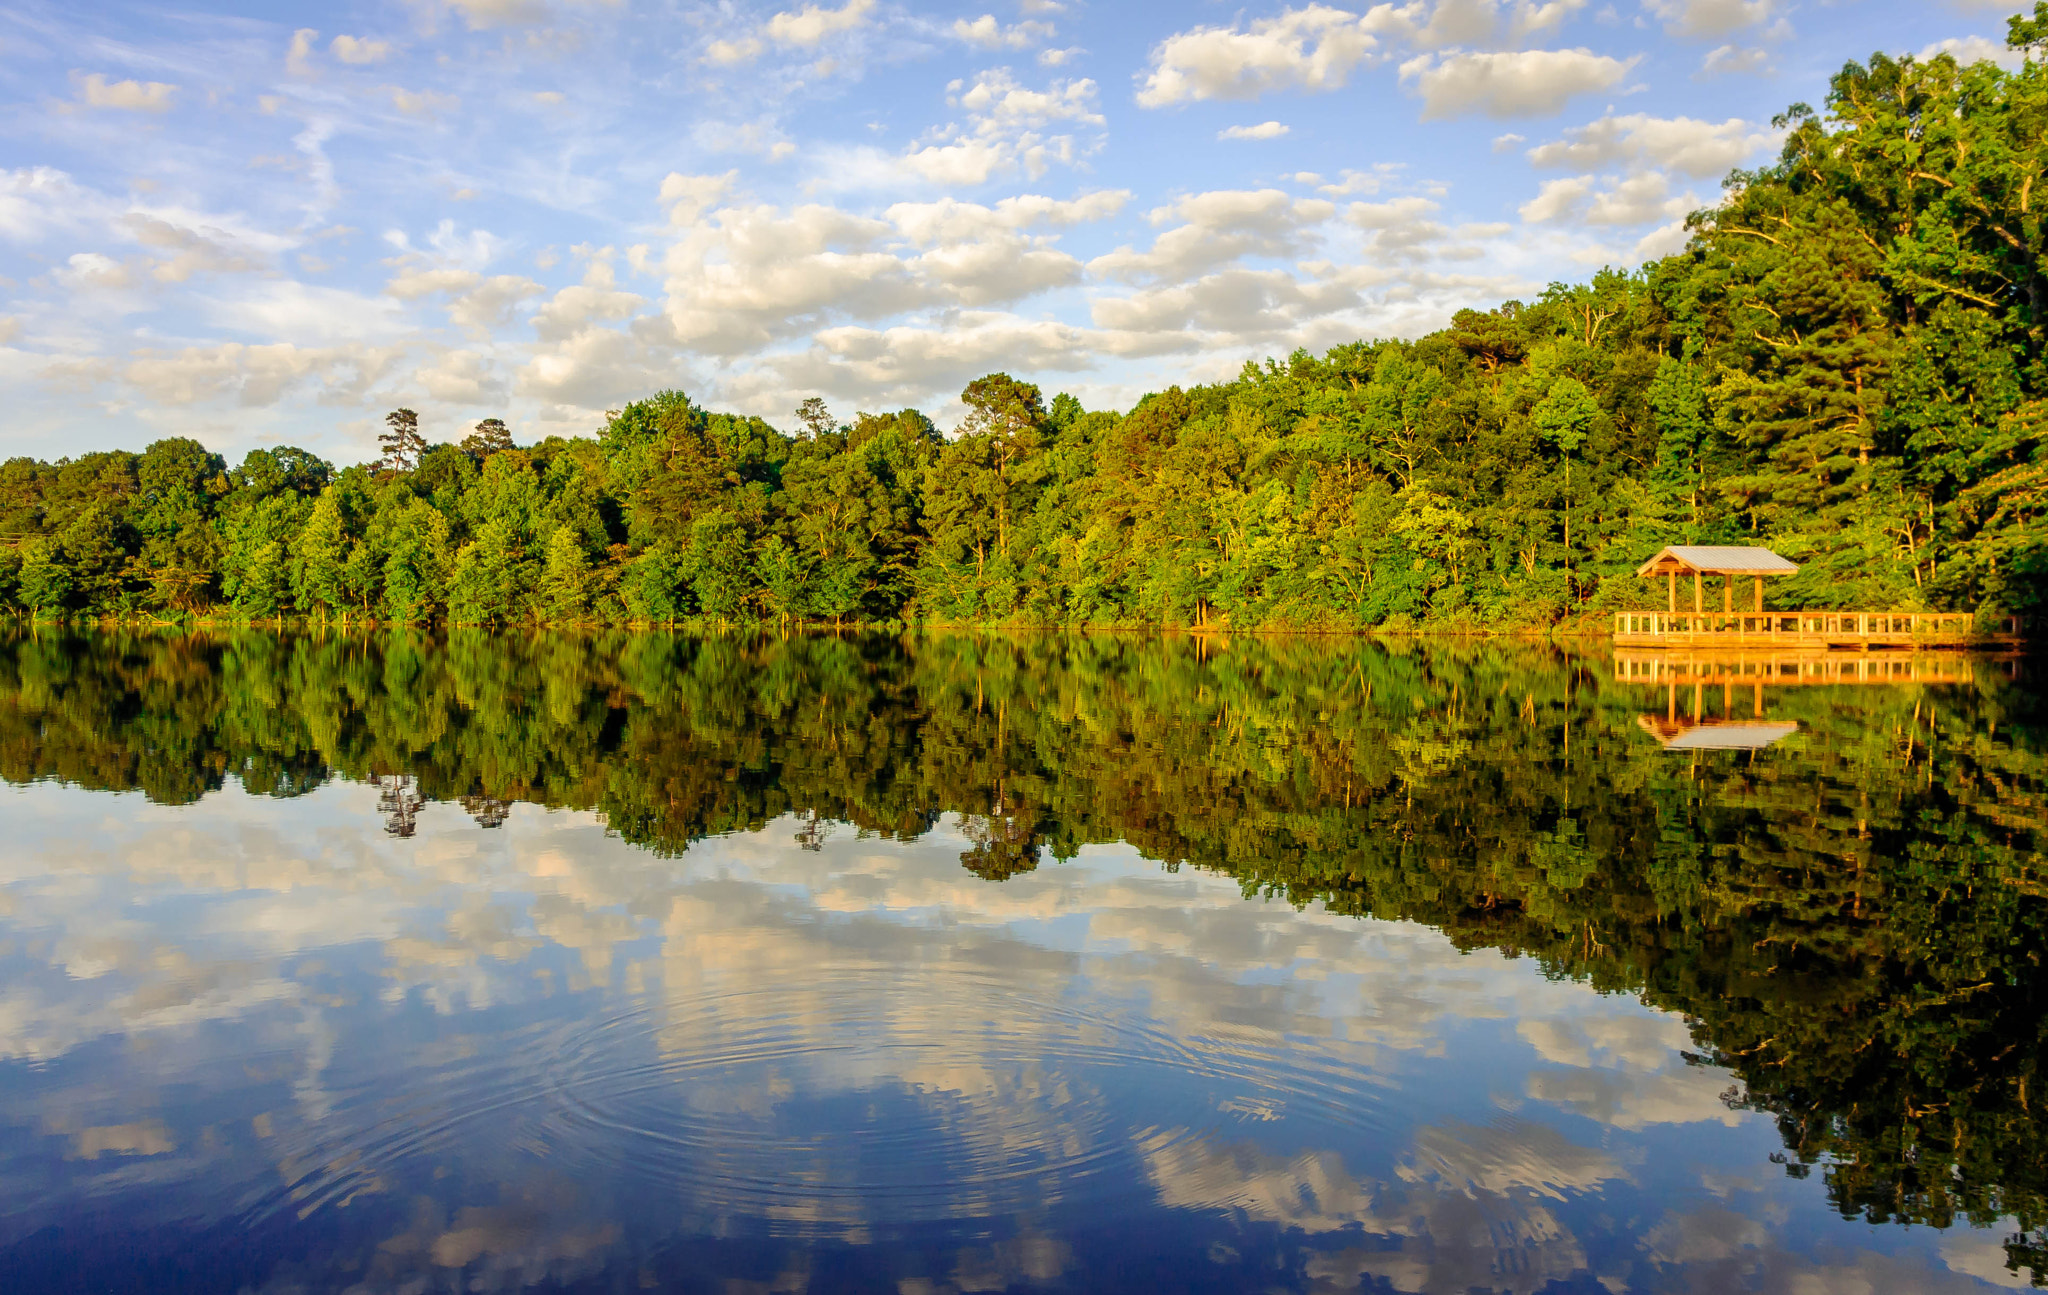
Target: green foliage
[(1848, 362)]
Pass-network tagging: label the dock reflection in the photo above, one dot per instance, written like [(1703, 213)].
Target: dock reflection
[(1691, 679)]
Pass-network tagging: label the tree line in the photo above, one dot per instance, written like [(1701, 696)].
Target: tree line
[(1846, 363), (1853, 922)]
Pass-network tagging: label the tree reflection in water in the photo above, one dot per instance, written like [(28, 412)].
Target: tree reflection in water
[(1843, 894)]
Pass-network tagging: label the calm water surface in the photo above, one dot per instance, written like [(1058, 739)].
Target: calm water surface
[(416, 963)]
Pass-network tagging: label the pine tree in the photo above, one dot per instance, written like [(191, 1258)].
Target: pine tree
[(319, 560), (403, 444), (490, 437), (565, 579)]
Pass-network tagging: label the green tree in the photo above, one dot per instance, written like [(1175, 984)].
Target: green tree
[(565, 579), (402, 442)]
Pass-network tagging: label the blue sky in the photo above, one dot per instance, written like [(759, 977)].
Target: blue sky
[(258, 226)]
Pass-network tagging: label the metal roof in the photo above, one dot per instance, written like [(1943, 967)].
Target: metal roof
[(1719, 559)]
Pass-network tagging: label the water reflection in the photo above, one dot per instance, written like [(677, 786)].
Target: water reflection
[(716, 1001)]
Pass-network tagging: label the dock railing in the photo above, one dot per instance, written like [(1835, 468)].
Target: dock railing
[(1809, 628)]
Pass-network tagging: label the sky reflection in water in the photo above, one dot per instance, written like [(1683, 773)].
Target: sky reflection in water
[(258, 1043)]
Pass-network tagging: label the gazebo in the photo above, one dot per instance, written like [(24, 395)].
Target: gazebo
[(1725, 560)]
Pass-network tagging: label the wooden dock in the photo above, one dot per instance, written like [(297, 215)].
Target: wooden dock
[(1822, 630)]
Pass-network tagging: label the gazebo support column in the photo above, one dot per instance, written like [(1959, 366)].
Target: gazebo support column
[(1759, 595), (1727, 595), (1699, 595), (1673, 576)]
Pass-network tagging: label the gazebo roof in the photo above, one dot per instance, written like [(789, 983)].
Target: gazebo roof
[(1717, 560)]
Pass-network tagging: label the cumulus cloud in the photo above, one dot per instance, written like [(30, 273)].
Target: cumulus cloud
[(1710, 17), (421, 103), (749, 274), (812, 24), (1313, 48), (1264, 130), (1632, 200), (478, 15), (359, 50), (1975, 49), (199, 247), (730, 53), (986, 33), (1406, 230), (1700, 149), (298, 56), (1526, 83), (1009, 127), (598, 299), (1725, 59), (688, 197), (95, 91), (1215, 229), (255, 376)]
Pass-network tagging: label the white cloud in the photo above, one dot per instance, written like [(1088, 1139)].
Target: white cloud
[(491, 303), (38, 201), (304, 314), (481, 14), (810, 25), (298, 56), (1240, 303), (95, 91), (1406, 230), (1528, 83), (1632, 200), (688, 197), (747, 275), (89, 271), (258, 375), (949, 220), (1216, 229), (1700, 149), (1710, 17), (421, 103), (462, 377), (729, 53), (1975, 49), (199, 246), (410, 284), (1469, 22), (359, 50), (598, 299), (1725, 59), (1313, 48), (1057, 57), (1007, 130), (1264, 130), (986, 33)]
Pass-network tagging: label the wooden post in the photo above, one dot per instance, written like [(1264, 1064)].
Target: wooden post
[(1673, 574), (1759, 595), (1727, 595), (1699, 596)]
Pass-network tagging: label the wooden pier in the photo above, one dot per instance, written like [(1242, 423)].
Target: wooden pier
[(1811, 629), (1757, 628)]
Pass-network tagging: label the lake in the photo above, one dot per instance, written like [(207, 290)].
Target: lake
[(434, 962)]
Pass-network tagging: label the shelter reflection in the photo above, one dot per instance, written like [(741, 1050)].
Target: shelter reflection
[(1692, 680)]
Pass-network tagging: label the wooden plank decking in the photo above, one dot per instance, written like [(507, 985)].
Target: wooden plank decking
[(1809, 629)]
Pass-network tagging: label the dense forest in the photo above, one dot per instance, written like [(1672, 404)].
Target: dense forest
[(1846, 362), (1853, 922)]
